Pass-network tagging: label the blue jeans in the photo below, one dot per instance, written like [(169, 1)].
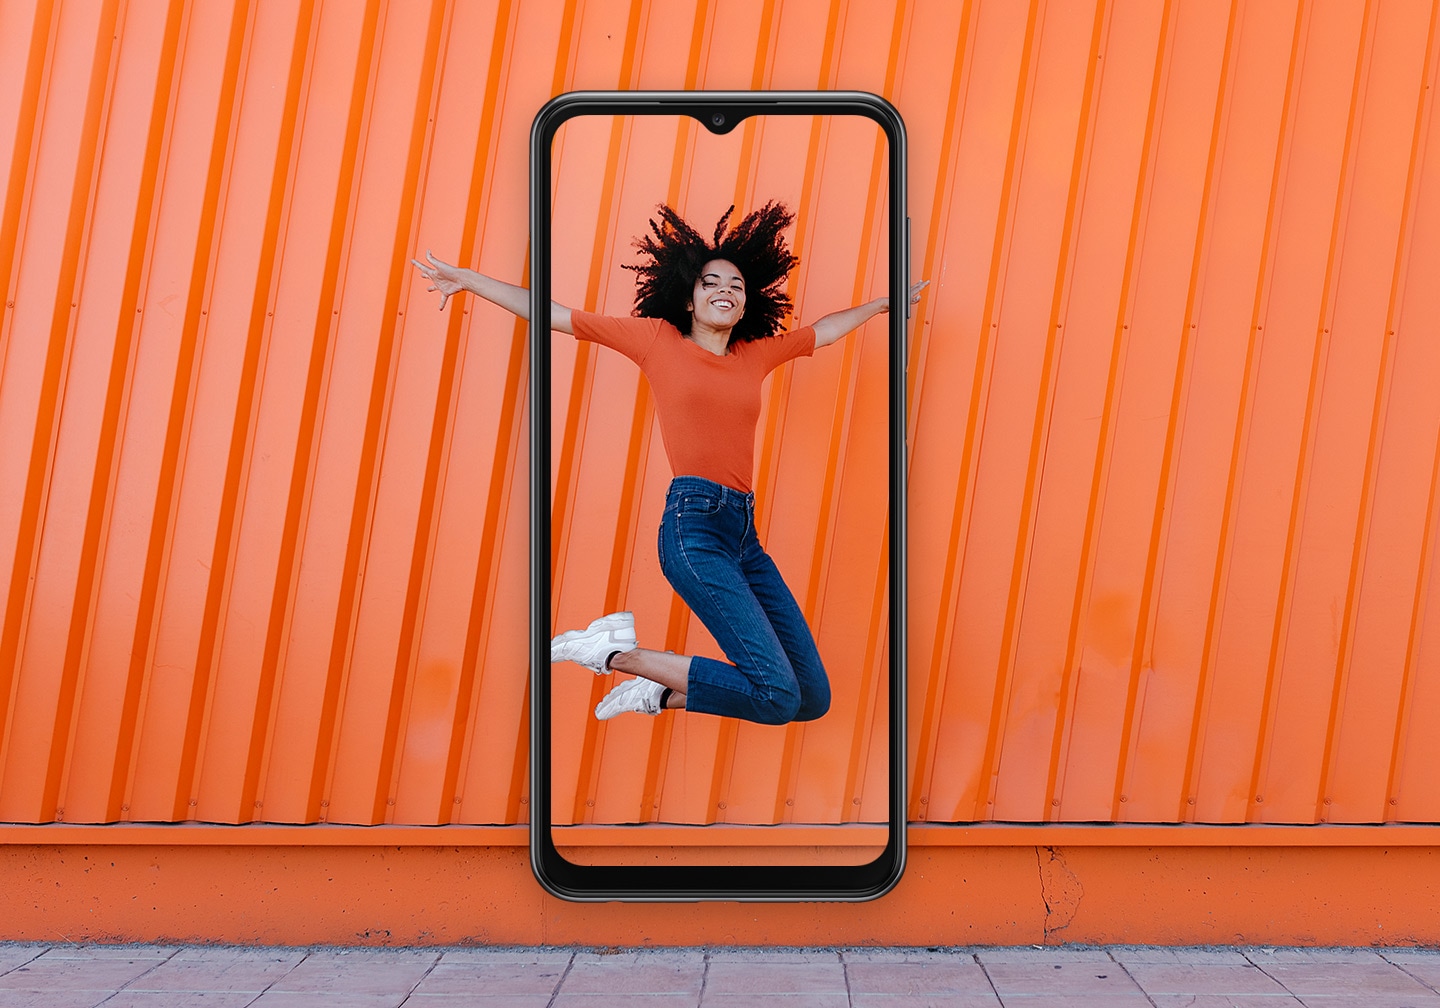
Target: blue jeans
[(713, 560)]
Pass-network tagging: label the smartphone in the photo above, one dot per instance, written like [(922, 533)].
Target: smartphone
[(719, 296)]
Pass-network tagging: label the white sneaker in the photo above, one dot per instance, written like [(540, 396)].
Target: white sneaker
[(638, 695), (593, 646)]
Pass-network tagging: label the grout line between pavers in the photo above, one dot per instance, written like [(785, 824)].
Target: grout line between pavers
[(975, 957), (308, 952), (411, 993), (565, 973), (174, 952), (27, 962), (1245, 951), (1400, 966), (1130, 976)]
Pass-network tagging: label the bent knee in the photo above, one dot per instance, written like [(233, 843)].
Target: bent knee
[(780, 708), (813, 708), (815, 695)]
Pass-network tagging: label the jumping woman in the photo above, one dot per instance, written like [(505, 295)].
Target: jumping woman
[(705, 335)]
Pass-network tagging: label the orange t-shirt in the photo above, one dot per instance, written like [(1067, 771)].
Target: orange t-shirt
[(709, 404)]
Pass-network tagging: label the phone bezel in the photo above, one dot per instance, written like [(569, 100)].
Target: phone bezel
[(747, 883)]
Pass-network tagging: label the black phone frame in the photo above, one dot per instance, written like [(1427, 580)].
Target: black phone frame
[(687, 883)]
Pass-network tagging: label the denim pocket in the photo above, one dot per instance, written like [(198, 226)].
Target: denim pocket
[(698, 503)]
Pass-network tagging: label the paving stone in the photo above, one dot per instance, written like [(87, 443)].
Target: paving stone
[(809, 957), (238, 954), (92, 952), (478, 1001), (1183, 978), (1370, 1001), (358, 973), (925, 1001), (518, 978), (1063, 1000), (564, 1000), (1331, 979), (1409, 954), (1265, 954), (917, 978), (741, 977), (1224, 1001), (12, 956), (1425, 970), (482, 956), (1075, 979), (1194, 956), (180, 999), (908, 955), (52, 974), (318, 999), (791, 1000), (1046, 956), (52, 999), (228, 973), (641, 973)]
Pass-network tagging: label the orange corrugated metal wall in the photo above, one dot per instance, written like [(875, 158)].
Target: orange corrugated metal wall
[(1173, 422)]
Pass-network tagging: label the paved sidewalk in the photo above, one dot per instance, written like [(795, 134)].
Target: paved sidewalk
[(133, 976)]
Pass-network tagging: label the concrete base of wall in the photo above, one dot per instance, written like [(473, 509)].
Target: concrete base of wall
[(951, 895)]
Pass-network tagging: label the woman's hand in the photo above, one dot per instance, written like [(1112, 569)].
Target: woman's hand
[(831, 327), (915, 290), (449, 280), (443, 277)]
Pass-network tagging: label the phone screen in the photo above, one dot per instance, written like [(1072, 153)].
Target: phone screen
[(716, 558)]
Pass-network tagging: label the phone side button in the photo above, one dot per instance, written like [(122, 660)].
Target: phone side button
[(908, 272)]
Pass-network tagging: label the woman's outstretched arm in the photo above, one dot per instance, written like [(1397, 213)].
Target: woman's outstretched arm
[(448, 280), (830, 328)]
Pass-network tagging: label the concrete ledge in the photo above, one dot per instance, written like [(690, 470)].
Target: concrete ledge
[(1042, 894)]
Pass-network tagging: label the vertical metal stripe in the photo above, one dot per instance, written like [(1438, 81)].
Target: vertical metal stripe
[(922, 768), (1284, 603), (1201, 745), (327, 736), (407, 657), (1345, 649), (1424, 124), (1005, 220), (506, 443), (1161, 524)]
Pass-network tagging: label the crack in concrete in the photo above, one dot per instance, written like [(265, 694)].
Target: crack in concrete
[(1060, 889)]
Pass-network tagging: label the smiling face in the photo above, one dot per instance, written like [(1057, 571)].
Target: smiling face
[(718, 300)]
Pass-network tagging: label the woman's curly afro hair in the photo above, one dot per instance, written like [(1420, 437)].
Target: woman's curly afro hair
[(676, 252)]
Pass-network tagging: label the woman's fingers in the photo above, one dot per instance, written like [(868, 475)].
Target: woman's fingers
[(433, 273)]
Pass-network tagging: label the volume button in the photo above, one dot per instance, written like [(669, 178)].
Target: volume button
[(908, 273)]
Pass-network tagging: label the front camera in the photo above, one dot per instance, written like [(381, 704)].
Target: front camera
[(717, 119)]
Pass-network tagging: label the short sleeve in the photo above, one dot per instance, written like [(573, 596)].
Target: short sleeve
[(633, 337), (787, 346)]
